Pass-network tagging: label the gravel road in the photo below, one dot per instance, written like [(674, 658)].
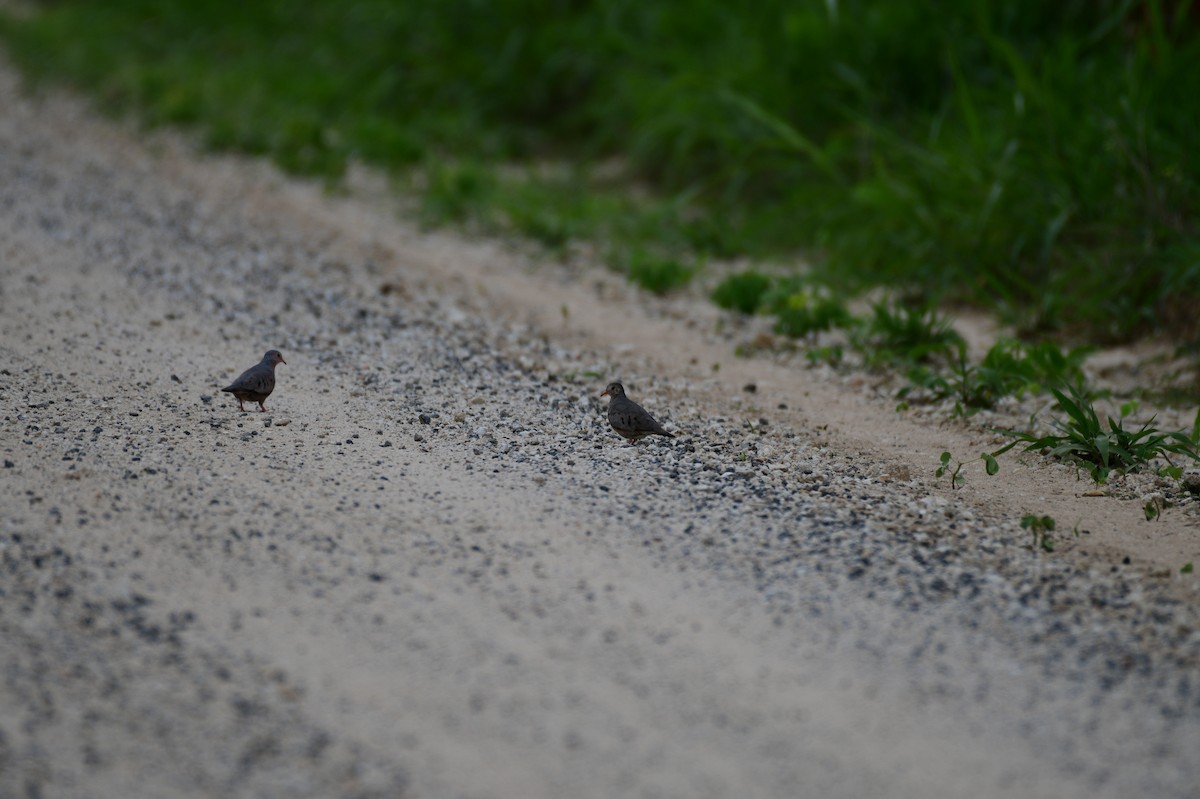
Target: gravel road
[(431, 570)]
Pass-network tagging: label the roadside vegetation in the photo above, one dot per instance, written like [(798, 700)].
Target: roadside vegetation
[(1034, 160)]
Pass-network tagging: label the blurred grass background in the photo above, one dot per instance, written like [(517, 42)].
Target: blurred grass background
[(1038, 159)]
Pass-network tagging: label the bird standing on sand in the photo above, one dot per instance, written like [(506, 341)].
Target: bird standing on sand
[(256, 383), (628, 418)]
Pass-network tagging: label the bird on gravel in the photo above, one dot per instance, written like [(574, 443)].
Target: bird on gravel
[(628, 418), (256, 383)]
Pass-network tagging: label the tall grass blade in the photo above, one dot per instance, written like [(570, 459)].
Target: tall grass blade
[(786, 134)]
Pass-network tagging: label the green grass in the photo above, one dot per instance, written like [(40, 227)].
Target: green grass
[(742, 291), (1082, 439), (1010, 368), (653, 271), (802, 308), (458, 193), (907, 334), (1033, 158)]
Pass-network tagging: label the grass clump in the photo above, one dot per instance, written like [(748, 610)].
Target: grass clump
[(458, 193), (655, 272), (802, 308), (906, 333), (1014, 367), (742, 291), (1010, 368), (1083, 440)]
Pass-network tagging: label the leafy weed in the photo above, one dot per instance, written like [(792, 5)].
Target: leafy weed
[(949, 465), (655, 272), (802, 309), (742, 291), (1041, 528), (1010, 368), (907, 334), (1082, 439)]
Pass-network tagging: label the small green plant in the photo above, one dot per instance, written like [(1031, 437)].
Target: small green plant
[(1082, 440), (1041, 528), (742, 291), (1186, 568), (907, 334), (656, 273), (950, 465), (967, 384), (802, 309), (1010, 368), (458, 192), (832, 355), (1017, 367), (545, 224), (1154, 508)]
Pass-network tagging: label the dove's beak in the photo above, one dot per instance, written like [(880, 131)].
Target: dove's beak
[(282, 361), (604, 393)]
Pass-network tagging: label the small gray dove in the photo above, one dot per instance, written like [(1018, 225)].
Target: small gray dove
[(628, 418), (256, 383)]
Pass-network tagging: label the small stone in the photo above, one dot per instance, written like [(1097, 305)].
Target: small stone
[(424, 418), (750, 388), (418, 437)]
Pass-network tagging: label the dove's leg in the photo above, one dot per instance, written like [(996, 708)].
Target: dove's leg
[(261, 408), (241, 407)]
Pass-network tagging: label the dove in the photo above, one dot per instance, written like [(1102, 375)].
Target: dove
[(256, 383), (628, 418)]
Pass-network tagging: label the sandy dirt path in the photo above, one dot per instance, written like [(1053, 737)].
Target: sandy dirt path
[(431, 571)]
